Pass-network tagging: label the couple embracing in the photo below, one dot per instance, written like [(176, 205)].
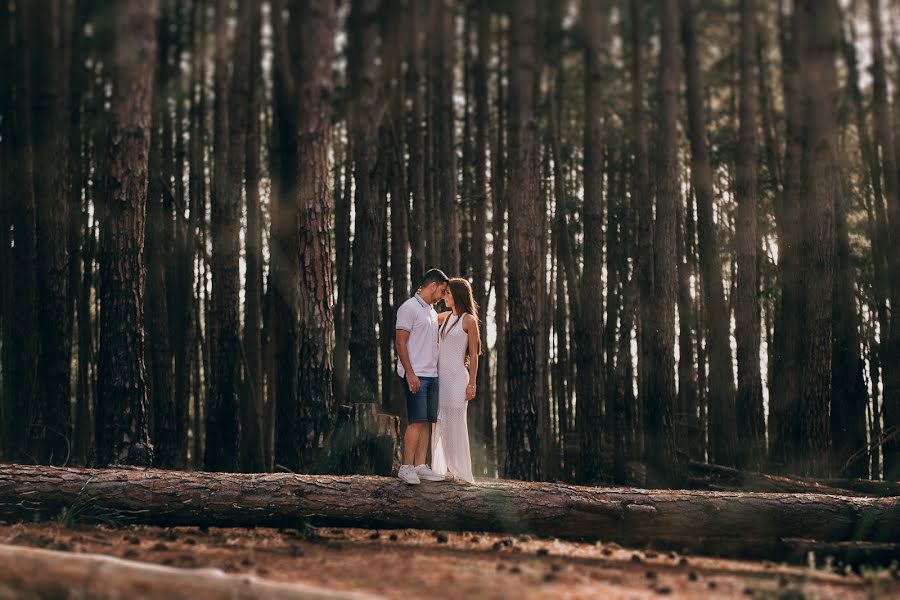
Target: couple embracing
[(438, 365)]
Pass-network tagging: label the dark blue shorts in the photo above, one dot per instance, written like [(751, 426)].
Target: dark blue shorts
[(422, 407)]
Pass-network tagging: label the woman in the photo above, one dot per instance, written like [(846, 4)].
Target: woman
[(460, 346)]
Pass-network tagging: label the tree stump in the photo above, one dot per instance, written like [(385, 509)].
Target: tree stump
[(365, 442)]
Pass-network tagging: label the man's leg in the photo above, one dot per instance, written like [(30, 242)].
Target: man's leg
[(411, 443), (422, 443)]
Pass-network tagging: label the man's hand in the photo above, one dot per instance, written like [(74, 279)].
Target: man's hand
[(413, 382)]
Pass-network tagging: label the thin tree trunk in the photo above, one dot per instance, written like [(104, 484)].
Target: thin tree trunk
[(222, 420), (783, 413), (480, 229), (123, 415), (751, 436), (283, 271), (660, 400), (252, 453), (525, 268), (416, 142), (589, 318), (722, 426), (821, 189), (643, 214), (444, 135), (49, 29), (20, 330), (885, 142), (315, 35), (498, 267), (160, 380), (363, 384)]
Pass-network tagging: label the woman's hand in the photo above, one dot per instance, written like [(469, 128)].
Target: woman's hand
[(470, 392)]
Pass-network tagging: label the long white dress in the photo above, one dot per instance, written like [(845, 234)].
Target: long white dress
[(450, 438)]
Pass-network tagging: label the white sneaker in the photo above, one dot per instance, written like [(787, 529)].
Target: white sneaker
[(408, 474), (425, 472)]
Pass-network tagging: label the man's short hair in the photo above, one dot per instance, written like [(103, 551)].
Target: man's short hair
[(434, 276)]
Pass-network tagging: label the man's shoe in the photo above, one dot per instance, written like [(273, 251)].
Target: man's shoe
[(408, 474), (425, 472)]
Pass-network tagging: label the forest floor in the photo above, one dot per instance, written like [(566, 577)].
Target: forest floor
[(436, 564)]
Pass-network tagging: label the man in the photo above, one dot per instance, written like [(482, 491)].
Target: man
[(417, 365)]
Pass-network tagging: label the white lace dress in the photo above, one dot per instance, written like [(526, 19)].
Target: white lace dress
[(450, 439)]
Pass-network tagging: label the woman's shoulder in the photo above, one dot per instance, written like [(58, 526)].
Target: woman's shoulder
[(469, 320)]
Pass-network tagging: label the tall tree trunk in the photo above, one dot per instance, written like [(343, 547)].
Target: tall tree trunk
[(588, 332), (878, 233), (252, 453), (243, 415), (157, 252), (659, 403), (687, 379), (444, 135), (848, 388), (315, 35), (820, 191), (525, 269), (363, 385), (283, 270), (480, 227), (722, 426), (20, 333), (499, 281), (49, 31), (222, 424), (416, 142), (885, 143), (644, 211), (342, 203), (751, 435), (783, 407), (123, 432)]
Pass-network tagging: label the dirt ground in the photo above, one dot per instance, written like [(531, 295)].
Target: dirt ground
[(433, 564)]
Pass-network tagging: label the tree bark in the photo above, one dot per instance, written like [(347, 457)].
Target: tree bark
[(784, 382), (643, 203), (659, 402), (315, 35), (480, 280), (707, 522), (821, 190), (444, 135), (751, 433), (123, 415), (416, 143), (20, 330), (363, 124), (525, 268), (885, 141), (222, 419), (499, 281), (158, 253), (49, 429), (252, 450), (588, 334), (282, 318), (722, 425)]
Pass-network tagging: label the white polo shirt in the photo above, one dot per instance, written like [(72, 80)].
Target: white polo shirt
[(420, 319)]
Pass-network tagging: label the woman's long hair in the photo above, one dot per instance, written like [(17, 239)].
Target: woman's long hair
[(464, 302)]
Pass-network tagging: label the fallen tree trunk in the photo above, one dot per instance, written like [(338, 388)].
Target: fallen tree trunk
[(699, 521), (30, 573), (719, 477)]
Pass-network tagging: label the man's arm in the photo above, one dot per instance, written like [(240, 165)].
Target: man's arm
[(403, 354)]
